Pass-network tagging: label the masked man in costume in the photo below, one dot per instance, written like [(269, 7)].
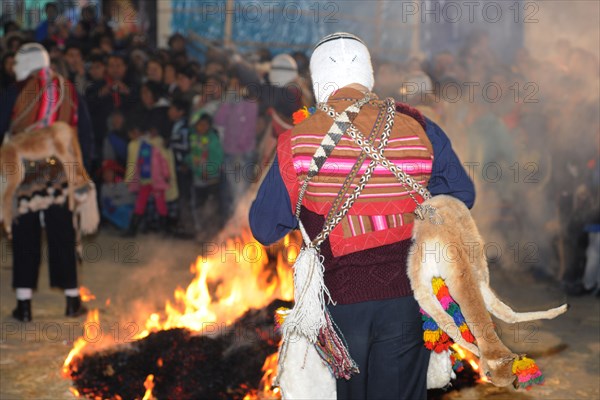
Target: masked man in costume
[(365, 254), (40, 98)]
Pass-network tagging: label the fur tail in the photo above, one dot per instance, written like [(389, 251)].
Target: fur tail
[(507, 314), (87, 214)]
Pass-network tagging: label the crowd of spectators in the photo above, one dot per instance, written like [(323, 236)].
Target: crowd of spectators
[(174, 138), (172, 134)]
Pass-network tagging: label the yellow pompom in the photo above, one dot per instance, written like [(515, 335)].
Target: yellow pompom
[(522, 364), (431, 336), (436, 284)]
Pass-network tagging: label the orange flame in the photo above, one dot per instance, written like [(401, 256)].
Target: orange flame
[(149, 385), (228, 281), (81, 342), (86, 294), (266, 391), (473, 361)]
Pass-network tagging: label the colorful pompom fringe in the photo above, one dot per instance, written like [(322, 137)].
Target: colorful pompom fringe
[(456, 361), (436, 339), (302, 114), (527, 372)]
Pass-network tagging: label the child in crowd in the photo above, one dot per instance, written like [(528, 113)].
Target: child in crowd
[(155, 111), (148, 172), (205, 159), (115, 143), (179, 144), (116, 201)]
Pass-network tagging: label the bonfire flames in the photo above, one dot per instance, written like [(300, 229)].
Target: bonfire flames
[(216, 339)]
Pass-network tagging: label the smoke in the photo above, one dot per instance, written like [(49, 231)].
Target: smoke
[(526, 127), (156, 267)]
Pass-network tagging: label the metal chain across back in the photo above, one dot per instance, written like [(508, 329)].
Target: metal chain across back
[(404, 178), (334, 220), (340, 125), (351, 176)]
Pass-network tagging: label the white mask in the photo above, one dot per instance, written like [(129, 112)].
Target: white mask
[(30, 57), (283, 70), (337, 61)]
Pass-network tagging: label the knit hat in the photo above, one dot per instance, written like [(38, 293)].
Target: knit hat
[(338, 60), (30, 57), (283, 70)]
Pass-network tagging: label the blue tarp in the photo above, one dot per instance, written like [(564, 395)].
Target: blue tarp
[(386, 26)]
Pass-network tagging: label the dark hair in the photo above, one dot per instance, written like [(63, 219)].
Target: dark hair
[(302, 61), (188, 71), (156, 60), (51, 5), (6, 56), (90, 9), (49, 44), (72, 45), (14, 38), (155, 88), (264, 54), (117, 111), (10, 26), (97, 58), (174, 37), (233, 73), (134, 121), (205, 117), (117, 55), (181, 104)]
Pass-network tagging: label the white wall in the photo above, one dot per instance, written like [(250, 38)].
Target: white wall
[(163, 20)]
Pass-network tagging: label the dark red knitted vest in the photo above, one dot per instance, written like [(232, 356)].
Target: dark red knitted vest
[(373, 274)]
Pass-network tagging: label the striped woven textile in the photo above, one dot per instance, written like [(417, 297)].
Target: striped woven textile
[(37, 106), (383, 212)]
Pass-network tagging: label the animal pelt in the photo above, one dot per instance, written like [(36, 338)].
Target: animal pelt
[(304, 374), (448, 245), (58, 140)]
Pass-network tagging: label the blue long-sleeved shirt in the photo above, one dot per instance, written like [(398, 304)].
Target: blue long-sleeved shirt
[(271, 215)]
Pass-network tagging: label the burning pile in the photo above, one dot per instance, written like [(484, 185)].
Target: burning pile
[(211, 342), (215, 340), (183, 365)]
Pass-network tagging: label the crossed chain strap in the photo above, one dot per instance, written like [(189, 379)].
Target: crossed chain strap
[(379, 158), (341, 123), (336, 214)]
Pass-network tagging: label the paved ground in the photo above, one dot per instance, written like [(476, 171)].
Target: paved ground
[(138, 276)]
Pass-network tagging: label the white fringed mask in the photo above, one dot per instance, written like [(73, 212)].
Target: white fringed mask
[(338, 60), (283, 70), (30, 57)]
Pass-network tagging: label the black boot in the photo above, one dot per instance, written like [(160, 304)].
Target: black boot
[(74, 307), (133, 226), (23, 311)]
